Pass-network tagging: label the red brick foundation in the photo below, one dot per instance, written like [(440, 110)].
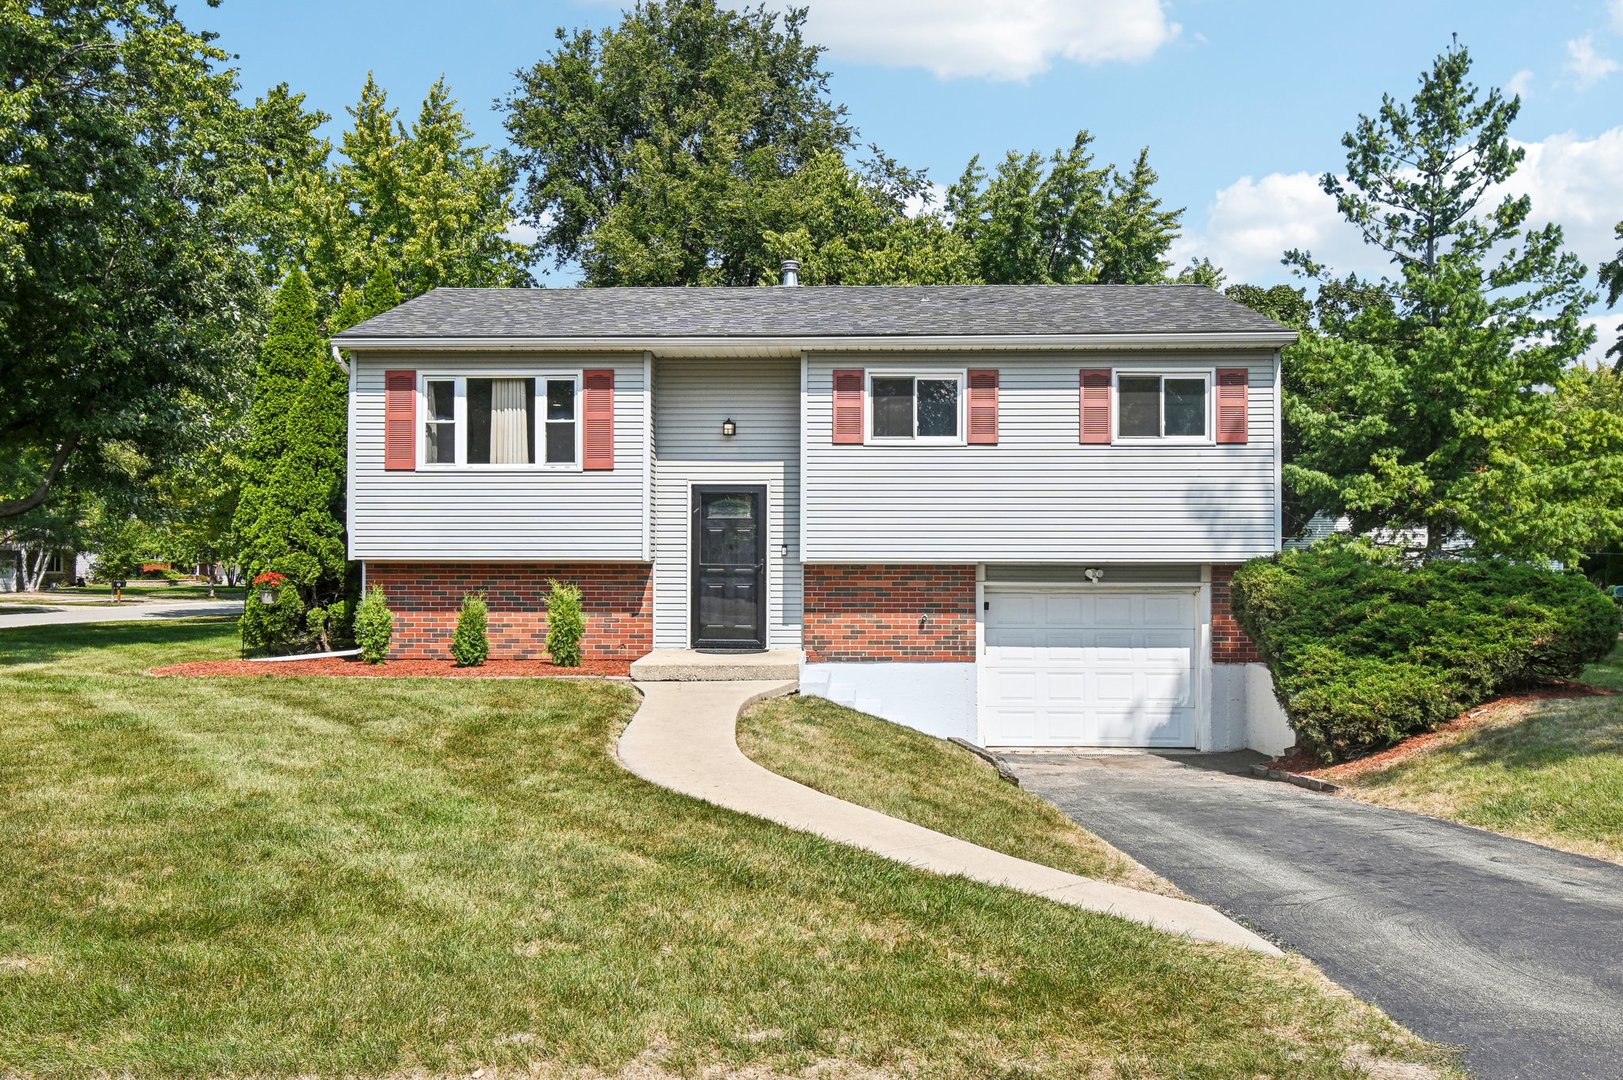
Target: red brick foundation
[(1230, 645), (425, 597), (873, 612)]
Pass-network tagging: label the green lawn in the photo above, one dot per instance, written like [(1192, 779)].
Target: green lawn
[(278, 877), (925, 780), (1549, 771), (156, 590)]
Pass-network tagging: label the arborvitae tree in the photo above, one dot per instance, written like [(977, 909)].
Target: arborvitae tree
[(378, 295), (1135, 233), (290, 517)]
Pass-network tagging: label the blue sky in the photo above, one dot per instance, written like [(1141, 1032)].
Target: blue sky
[(1241, 103)]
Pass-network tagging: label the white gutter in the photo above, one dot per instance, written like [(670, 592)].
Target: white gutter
[(338, 358), (712, 345)]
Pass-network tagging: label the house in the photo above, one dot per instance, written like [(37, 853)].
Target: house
[(1005, 513)]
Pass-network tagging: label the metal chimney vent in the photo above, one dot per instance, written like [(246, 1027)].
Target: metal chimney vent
[(791, 271)]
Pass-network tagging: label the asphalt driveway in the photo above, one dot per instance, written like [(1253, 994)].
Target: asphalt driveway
[(1506, 948)]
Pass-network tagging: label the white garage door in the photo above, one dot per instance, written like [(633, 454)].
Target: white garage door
[(1089, 667)]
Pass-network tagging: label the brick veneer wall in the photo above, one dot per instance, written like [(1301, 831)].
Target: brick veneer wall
[(1230, 645), (872, 612), (617, 600)]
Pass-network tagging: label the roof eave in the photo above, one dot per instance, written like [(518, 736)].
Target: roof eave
[(793, 346)]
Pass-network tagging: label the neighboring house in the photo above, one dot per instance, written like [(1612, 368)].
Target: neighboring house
[(1005, 513), (20, 565)]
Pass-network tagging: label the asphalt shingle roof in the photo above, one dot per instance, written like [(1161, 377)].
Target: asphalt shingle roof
[(814, 311)]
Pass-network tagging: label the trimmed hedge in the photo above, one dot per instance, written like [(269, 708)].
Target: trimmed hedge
[(1366, 650), (374, 625), (470, 645)]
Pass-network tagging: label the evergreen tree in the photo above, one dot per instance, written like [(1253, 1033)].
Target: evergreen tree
[(1421, 399), (290, 516), (1135, 233), (1611, 279)]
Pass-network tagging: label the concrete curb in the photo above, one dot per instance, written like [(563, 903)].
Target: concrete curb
[(1004, 773), (1311, 783), (683, 738)]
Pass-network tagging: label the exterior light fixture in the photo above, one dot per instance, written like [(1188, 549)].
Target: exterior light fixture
[(728, 428), (1094, 574)]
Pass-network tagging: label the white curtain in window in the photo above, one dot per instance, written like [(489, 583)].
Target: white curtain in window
[(509, 437)]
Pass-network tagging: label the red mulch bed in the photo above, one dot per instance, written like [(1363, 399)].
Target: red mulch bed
[(399, 669), (1309, 765)]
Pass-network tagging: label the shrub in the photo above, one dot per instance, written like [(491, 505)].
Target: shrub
[(1365, 650), (340, 624), (374, 625), (566, 626), (470, 646), (277, 629)]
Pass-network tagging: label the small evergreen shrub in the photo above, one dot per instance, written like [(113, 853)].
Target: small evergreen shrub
[(566, 625), (1366, 650), (277, 629), (340, 625), (470, 645), (374, 625)]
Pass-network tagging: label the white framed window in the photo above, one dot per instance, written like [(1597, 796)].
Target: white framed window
[(527, 420), (1163, 406), (916, 407)]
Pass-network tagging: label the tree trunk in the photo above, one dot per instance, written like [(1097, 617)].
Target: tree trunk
[(36, 572)]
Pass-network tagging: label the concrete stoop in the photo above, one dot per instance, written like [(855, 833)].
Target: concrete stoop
[(687, 665)]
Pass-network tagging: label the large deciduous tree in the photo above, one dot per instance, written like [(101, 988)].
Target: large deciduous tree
[(125, 279), (1422, 399), (1062, 220), (649, 149)]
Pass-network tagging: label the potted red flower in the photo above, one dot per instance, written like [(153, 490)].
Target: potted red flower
[(268, 583)]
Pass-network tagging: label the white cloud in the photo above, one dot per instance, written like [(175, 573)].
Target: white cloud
[(1587, 65), (520, 232), (933, 199), (1607, 328), (1521, 83), (1251, 223), (1572, 181), (1012, 40), (1616, 8)]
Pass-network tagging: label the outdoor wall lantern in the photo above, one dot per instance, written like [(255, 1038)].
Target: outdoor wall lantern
[(728, 428)]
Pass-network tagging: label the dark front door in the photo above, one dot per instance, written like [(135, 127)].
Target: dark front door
[(729, 568)]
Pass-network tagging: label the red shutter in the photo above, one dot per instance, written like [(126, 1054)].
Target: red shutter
[(400, 420), (983, 407), (598, 385), (1095, 406), (848, 394), (1232, 405)]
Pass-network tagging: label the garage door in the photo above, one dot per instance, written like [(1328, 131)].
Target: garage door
[(1089, 667)]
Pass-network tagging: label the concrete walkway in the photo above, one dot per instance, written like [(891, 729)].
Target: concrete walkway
[(1510, 949), (109, 612), (682, 738)]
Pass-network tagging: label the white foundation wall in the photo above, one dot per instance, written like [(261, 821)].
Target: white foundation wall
[(1245, 713), (936, 698)]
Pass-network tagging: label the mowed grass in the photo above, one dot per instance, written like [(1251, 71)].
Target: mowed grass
[(927, 781), (277, 877), (1549, 771)]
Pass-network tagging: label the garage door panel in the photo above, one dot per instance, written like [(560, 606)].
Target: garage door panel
[(1089, 668)]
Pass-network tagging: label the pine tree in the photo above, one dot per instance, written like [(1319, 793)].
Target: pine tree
[(1135, 231), (290, 517)]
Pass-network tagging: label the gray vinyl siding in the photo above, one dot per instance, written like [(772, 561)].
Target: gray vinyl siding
[(475, 513), (1039, 496), (691, 399)]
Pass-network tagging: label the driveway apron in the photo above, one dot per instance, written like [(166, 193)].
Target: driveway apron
[(1510, 949)]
